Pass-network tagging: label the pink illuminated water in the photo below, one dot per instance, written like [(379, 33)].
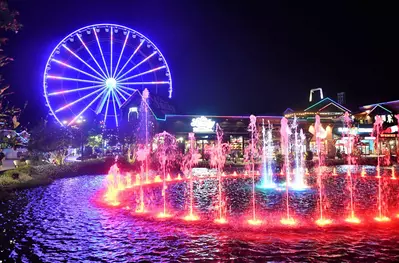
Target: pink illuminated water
[(217, 160), (351, 217), (284, 133), (320, 134)]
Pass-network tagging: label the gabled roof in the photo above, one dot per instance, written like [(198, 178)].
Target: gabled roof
[(388, 106), (324, 104)]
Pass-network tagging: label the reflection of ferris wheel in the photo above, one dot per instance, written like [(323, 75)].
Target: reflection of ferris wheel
[(94, 71)]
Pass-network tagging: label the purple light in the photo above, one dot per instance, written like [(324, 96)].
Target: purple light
[(72, 79), (100, 106), (81, 71), (80, 99), (81, 60), (143, 73), (116, 117), (135, 51), (123, 87), (106, 108), (141, 62), (146, 83), (112, 39), (91, 103), (120, 89), (74, 90), (91, 55), (120, 55), (101, 51), (120, 94), (97, 76)]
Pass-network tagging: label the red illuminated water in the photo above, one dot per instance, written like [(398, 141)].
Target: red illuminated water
[(61, 222)]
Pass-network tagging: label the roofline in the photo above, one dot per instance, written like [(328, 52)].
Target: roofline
[(216, 116), (379, 103), (333, 101)]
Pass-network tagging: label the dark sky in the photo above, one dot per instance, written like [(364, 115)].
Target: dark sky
[(228, 57)]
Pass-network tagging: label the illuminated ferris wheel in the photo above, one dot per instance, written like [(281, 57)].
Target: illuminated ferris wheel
[(96, 69)]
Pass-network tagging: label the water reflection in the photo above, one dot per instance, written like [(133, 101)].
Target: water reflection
[(61, 222)]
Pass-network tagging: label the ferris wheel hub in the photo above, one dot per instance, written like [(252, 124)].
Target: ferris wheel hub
[(110, 83)]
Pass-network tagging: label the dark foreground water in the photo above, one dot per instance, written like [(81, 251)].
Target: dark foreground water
[(62, 223)]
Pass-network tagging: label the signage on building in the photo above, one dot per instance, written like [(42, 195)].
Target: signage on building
[(202, 125), (355, 130), (387, 135)]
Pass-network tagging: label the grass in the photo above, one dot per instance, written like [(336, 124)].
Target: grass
[(31, 176)]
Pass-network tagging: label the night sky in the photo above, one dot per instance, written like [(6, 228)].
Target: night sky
[(228, 58)]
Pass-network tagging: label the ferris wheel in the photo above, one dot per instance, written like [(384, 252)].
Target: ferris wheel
[(96, 69)]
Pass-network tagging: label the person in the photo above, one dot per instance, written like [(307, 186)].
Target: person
[(2, 157)]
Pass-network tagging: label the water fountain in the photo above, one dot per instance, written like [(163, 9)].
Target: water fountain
[(192, 158), (285, 132), (217, 160), (251, 154), (347, 123), (380, 204), (299, 171), (320, 133), (267, 157), (166, 152)]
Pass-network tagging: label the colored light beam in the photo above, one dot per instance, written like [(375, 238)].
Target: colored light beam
[(120, 94), (91, 55), (130, 58), (117, 98), (80, 99), (85, 109), (100, 105), (120, 55), (116, 117), (118, 87), (101, 51), (143, 73), (127, 88), (74, 90), (106, 107), (72, 79), (81, 60), (81, 71), (137, 65), (146, 83), (112, 39)]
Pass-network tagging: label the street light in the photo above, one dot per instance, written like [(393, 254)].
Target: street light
[(79, 121)]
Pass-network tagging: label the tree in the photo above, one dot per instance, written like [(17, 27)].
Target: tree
[(8, 22)]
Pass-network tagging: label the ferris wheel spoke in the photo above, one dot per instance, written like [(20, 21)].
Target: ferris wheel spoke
[(91, 55), (81, 60), (106, 108), (120, 55), (127, 88), (88, 106), (100, 105), (74, 90), (80, 99), (117, 99), (112, 39), (143, 73), (116, 116), (73, 79), (141, 62), (120, 94), (78, 70), (130, 58), (146, 83), (125, 92), (101, 51)]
